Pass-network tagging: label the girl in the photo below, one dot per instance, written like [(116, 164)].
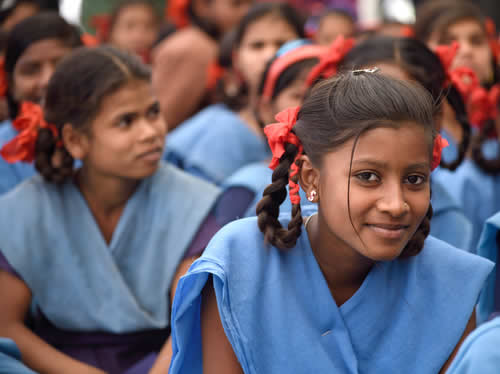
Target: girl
[(198, 145), (296, 66), (14, 11), (127, 225), (134, 26), (362, 289), (332, 23), (409, 59), (34, 48), (182, 60)]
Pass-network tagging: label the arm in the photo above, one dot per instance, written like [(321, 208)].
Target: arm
[(218, 355), (471, 325), (180, 75), (162, 363), (15, 299)]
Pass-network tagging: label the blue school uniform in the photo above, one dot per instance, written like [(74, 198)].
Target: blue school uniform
[(489, 301), (214, 144), (88, 285), (479, 353), (279, 316), (10, 359), (12, 174)]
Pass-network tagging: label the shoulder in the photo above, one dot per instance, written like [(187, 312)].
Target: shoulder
[(7, 132)]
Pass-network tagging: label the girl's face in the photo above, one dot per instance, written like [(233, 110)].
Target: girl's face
[(135, 29), (227, 13), (35, 67), (474, 51), (260, 43), (389, 191), (333, 26), (127, 136)]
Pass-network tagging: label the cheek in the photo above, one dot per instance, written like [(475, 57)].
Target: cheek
[(24, 87)]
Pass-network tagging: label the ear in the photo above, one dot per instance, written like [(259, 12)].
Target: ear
[(309, 177), (75, 141)]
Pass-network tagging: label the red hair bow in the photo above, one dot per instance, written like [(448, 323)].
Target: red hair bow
[(89, 40), (102, 25), (3, 79), (329, 60), (447, 54), (278, 134), (177, 12), (492, 36), (28, 123), (407, 31), (483, 105), (439, 144)]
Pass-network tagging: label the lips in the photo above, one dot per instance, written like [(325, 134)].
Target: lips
[(389, 231), (152, 155)]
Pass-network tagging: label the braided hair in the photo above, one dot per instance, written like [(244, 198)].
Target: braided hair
[(74, 96), (337, 110)]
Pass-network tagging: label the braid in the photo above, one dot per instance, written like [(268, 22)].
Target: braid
[(490, 166), (416, 243), (268, 207), (46, 149)]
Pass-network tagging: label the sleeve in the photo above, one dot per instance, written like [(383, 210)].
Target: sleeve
[(5, 266)]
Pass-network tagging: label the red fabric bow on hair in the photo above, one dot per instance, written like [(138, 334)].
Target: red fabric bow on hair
[(278, 134), (328, 62), (3, 79), (483, 105), (29, 121), (177, 12), (439, 144), (407, 31), (89, 40), (447, 54), (102, 25)]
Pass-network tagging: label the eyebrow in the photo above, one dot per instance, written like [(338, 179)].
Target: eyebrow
[(384, 165)]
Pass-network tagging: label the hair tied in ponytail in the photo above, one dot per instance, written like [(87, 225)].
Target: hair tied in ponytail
[(439, 144), (29, 121), (330, 59), (280, 133)]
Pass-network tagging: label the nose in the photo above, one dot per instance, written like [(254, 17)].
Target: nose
[(45, 74), (392, 201), (466, 49), (149, 130)]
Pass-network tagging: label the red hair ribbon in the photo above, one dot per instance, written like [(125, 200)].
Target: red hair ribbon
[(28, 123), (483, 105), (447, 54), (102, 25), (329, 60), (177, 12), (3, 78), (439, 144), (492, 37), (278, 134), (286, 60), (89, 40), (407, 31)]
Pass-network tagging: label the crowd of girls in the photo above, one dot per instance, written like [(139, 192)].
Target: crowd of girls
[(227, 188)]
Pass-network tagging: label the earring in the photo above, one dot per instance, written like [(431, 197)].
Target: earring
[(407, 207), (312, 196)]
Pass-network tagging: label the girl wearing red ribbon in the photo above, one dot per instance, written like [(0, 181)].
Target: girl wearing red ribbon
[(182, 60), (34, 49), (358, 287)]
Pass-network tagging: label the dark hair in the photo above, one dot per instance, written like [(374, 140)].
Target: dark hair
[(337, 110), (45, 25), (422, 65), (41, 4), (74, 95), (124, 4)]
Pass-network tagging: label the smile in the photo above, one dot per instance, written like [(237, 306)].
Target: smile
[(389, 231), (152, 155)]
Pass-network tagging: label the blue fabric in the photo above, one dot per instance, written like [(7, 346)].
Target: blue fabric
[(12, 174), (479, 353), (449, 222), (79, 282), (488, 249), (476, 191), (450, 153), (214, 144), (10, 359), (279, 316)]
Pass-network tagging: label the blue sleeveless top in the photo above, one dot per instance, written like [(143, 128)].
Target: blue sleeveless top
[(279, 316), (12, 174), (479, 353), (81, 283), (214, 144)]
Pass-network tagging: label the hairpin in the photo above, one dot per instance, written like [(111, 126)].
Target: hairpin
[(363, 71)]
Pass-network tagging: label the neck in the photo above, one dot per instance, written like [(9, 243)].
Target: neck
[(247, 115), (103, 193), (343, 268)]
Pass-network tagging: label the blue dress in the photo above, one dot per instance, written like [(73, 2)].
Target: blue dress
[(214, 144), (279, 316)]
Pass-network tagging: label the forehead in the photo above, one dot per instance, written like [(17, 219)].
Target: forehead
[(268, 27), (45, 49), (135, 11), (133, 95), (465, 27)]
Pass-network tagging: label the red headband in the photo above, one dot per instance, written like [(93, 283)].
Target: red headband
[(28, 123), (329, 60), (278, 134), (177, 12), (282, 63)]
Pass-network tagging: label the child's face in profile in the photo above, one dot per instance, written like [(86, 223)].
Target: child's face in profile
[(389, 191), (127, 136), (474, 51)]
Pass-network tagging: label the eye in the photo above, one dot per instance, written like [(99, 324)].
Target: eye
[(415, 180), (257, 45), (126, 120), (153, 111), (477, 40), (368, 177)]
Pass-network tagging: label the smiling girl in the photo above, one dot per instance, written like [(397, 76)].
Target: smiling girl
[(97, 251), (357, 287)]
